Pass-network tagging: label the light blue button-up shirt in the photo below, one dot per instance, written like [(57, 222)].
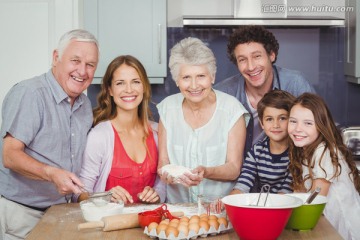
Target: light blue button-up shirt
[(38, 113)]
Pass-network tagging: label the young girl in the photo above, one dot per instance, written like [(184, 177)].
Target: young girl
[(319, 158)]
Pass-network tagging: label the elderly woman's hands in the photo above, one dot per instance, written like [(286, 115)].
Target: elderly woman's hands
[(188, 179), (194, 178)]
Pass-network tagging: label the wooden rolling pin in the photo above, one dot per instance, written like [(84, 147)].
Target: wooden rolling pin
[(117, 222)]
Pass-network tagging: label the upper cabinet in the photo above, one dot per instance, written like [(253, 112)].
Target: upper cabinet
[(136, 27), (352, 43)]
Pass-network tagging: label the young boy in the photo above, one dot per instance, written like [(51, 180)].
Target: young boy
[(267, 162)]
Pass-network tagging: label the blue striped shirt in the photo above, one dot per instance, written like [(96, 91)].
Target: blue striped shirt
[(267, 168)]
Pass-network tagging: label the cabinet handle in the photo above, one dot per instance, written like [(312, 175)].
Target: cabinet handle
[(159, 43)]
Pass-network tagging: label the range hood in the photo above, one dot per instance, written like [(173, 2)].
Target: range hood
[(272, 13), (231, 21)]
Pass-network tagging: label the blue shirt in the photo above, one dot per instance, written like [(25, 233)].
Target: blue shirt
[(37, 112), (260, 164), (284, 79)]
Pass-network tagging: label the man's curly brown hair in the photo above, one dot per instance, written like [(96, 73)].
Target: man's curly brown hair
[(252, 33)]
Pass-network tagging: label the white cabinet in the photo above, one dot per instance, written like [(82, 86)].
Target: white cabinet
[(352, 43), (135, 27)]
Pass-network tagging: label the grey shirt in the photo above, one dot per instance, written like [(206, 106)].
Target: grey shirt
[(37, 112), (285, 79)]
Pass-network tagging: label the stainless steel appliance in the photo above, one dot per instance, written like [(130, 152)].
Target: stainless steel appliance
[(351, 138)]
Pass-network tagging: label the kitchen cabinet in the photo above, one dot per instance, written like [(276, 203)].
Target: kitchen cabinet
[(136, 27), (352, 43)]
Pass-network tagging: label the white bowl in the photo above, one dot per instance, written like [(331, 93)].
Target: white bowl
[(91, 212)]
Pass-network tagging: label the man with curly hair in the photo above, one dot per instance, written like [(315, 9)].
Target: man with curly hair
[(254, 50)]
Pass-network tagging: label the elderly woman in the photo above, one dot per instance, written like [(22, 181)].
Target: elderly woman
[(200, 128)]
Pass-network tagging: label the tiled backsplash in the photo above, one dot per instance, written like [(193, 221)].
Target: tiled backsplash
[(317, 52)]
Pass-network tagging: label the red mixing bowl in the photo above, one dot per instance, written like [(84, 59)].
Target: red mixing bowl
[(252, 222)]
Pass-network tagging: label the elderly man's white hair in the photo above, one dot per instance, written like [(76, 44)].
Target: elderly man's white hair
[(77, 34)]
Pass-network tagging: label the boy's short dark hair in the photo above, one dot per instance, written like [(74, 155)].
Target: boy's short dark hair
[(279, 99)]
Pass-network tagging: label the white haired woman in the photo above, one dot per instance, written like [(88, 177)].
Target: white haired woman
[(200, 128)]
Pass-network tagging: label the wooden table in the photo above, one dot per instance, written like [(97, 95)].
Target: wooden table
[(60, 222)]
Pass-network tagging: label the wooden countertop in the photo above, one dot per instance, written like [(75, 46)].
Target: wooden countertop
[(60, 222)]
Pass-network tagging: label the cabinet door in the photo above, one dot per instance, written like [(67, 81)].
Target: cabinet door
[(135, 27), (352, 43)]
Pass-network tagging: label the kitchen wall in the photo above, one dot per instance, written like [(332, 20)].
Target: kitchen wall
[(317, 52), (30, 30)]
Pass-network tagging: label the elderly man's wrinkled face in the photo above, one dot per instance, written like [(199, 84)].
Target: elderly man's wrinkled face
[(76, 68), (195, 82)]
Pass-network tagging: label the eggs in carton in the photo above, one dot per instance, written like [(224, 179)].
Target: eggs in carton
[(188, 227)]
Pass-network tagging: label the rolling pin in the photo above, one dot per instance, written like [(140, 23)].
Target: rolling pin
[(117, 222)]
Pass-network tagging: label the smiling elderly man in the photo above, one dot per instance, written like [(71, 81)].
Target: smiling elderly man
[(44, 127)]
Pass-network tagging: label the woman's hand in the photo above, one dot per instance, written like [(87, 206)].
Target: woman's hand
[(149, 195), (119, 193), (165, 177), (192, 179)]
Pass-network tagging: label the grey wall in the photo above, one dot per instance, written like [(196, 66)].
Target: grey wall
[(317, 52)]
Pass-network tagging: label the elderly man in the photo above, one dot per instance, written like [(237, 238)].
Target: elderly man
[(44, 128)]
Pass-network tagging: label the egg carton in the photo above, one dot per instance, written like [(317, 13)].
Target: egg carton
[(191, 235)]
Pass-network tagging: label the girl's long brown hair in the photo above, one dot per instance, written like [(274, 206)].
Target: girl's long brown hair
[(106, 108), (329, 135)]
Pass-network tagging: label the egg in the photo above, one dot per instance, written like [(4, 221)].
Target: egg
[(171, 230), (203, 215), (152, 226), (175, 220), (194, 227), (213, 217), (205, 225), (165, 221), (223, 220), (184, 223), (204, 218), (173, 224), (160, 228), (184, 219), (183, 228), (194, 219), (214, 223)]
